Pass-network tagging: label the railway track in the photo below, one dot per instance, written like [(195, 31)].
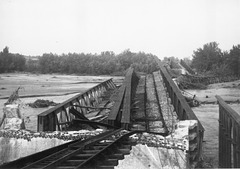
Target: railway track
[(102, 151)]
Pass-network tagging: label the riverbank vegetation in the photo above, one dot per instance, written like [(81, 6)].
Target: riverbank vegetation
[(106, 63), (211, 60), (208, 60)]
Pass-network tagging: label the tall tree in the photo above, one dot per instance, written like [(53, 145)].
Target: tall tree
[(187, 60), (234, 59), (204, 59), (125, 59), (6, 50), (11, 62)]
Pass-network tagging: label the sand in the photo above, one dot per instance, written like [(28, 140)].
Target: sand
[(208, 114), (58, 88), (52, 87)]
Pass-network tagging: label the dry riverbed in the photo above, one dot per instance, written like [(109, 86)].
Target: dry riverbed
[(208, 114), (52, 87), (58, 88)]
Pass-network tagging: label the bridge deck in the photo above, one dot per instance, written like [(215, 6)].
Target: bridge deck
[(147, 96)]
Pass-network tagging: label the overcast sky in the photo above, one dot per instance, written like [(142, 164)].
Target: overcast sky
[(161, 27)]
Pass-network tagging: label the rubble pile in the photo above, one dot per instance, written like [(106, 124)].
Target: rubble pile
[(159, 152), (12, 119), (153, 140), (115, 136), (39, 103), (179, 139), (69, 135), (169, 115), (185, 83)]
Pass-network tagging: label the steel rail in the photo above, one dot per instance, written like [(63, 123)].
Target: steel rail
[(60, 158)]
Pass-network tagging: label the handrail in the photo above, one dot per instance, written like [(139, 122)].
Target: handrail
[(232, 113), (126, 113), (183, 110), (123, 102), (72, 99), (176, 97), (113, 115), (59, 117), (210, 79), (229, 137), (186, 67)]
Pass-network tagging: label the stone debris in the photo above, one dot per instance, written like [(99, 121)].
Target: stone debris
[(20, 143), (157, 126), (12, 118), (62, 135), (158, 152), (40, 103), (179, 139), (143, 156), (168, 113), (69, 135)]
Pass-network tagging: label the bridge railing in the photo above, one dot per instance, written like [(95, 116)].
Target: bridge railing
[(130, 82), (187, 67), (210, 79), (59, 117), (120, 114), (181, 107), (229, 136)]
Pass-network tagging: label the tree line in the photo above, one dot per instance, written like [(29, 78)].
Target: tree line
[(11, 62), (106, 63), (210, 59)]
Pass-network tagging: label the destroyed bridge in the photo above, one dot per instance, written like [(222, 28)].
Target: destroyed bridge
[(144, 112)]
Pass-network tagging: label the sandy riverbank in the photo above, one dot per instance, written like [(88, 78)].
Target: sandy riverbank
[(208, 114), (58, 88), (53, 87)]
